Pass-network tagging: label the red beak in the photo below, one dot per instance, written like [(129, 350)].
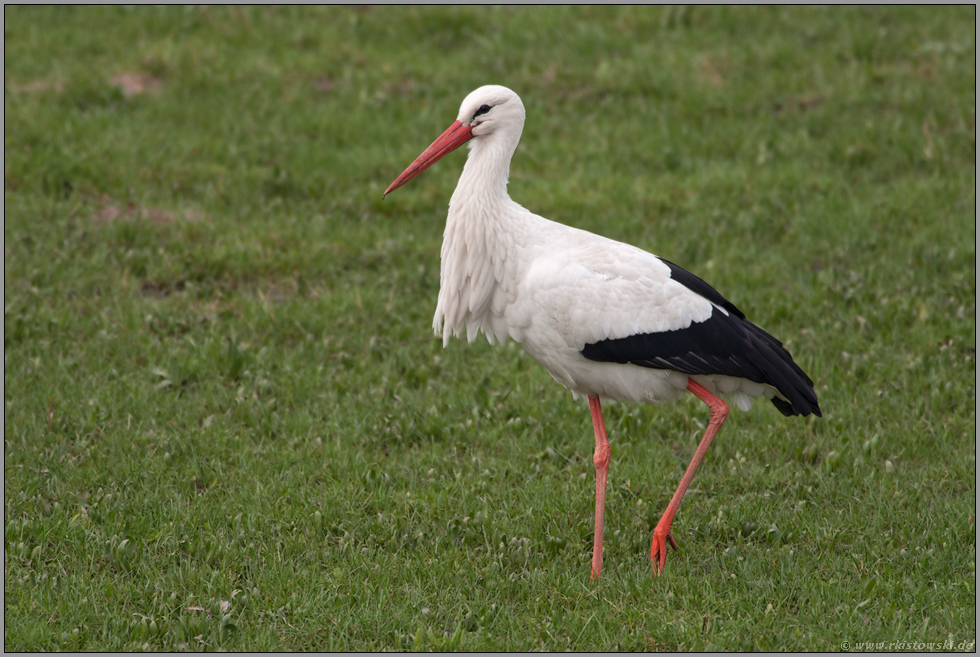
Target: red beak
[(455, 136)]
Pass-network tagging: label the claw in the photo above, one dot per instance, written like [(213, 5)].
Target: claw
[(658, 549)]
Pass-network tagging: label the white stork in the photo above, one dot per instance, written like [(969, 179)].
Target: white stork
[(606, 319)]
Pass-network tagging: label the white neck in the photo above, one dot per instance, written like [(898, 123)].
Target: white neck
[(487, 170), (474, 257)]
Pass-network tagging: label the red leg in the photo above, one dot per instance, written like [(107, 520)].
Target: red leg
[(601, 460), (661, 535)]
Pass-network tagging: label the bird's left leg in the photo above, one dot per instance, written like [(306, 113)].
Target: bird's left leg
[(661, 535), (601, 460)]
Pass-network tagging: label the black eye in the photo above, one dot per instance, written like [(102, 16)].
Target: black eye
[(483, 110)]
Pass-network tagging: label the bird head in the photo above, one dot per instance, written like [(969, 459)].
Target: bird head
[(489, 110)]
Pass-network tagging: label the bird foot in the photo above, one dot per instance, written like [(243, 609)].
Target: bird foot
[(658, 549)]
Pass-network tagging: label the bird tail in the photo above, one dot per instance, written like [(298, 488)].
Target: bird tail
[(796, 395)]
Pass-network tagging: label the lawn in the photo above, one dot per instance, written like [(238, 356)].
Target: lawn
[(227, 424)]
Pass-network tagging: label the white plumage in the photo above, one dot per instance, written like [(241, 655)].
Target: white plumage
[(604, 318)]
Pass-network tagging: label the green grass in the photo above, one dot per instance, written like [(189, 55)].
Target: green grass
[(226, 425)]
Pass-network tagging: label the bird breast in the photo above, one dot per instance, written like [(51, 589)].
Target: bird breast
[(483, 257)]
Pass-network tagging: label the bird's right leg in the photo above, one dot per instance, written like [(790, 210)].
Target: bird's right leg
[(661, 534), (601, 460)]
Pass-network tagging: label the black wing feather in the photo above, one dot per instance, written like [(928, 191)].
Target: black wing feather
[(726, 343)]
